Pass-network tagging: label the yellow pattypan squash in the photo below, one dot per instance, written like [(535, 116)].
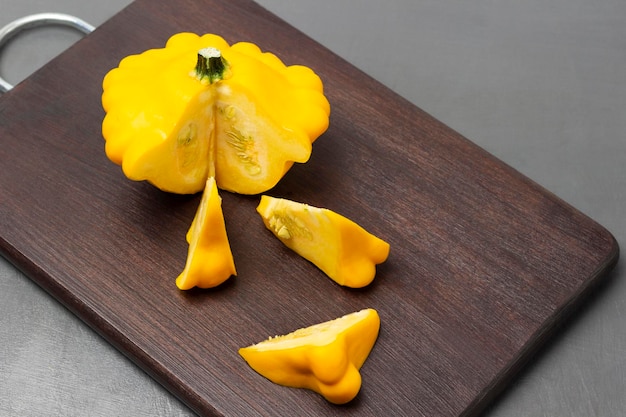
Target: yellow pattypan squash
[(209, 258), (345, 251), (199, 108), (325, 357)]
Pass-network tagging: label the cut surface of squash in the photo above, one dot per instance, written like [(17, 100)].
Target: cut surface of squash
[(324, 357), (209, 258), (345, 251)]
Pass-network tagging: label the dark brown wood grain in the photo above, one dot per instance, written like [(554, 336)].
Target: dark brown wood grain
[(484, 262)]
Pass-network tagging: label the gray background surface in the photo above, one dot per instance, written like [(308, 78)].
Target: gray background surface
[(541, 84)]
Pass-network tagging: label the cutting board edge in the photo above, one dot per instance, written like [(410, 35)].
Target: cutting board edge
[(540, 341), (113, 336)]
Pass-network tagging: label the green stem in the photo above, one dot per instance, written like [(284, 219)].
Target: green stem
[(211, 65)]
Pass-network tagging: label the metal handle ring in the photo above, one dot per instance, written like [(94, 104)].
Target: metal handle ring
[(36, 20)]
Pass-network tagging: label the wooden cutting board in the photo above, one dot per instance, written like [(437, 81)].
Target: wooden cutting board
[(484, 263)]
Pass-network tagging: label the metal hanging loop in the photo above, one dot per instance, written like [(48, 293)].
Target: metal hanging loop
[(36, 20)]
